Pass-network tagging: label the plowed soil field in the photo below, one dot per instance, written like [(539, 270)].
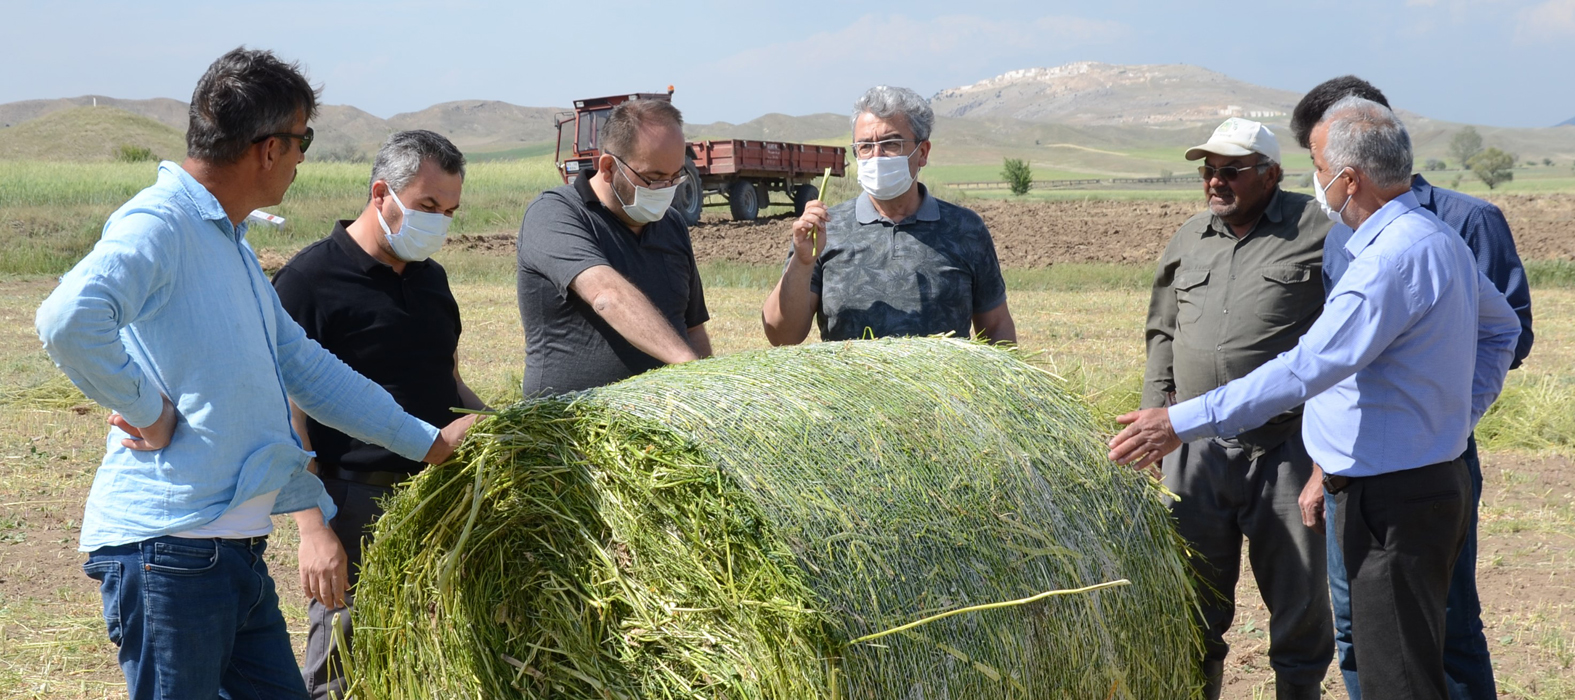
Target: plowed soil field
[(1037, 234)]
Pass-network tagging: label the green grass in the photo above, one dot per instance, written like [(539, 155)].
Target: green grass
[(51, 213), (534, 150)]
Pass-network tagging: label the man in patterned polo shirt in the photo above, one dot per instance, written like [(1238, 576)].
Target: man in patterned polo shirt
[(893, 261)]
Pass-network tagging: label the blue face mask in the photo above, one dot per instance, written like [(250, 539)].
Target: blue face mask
[(420, 234)]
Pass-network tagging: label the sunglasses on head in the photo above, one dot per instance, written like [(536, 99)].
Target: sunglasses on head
[(306, 138), (1229, 172)]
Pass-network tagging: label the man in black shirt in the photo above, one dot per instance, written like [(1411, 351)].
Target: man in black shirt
[(368, 294), (607, 281)]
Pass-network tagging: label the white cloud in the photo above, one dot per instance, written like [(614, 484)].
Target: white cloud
[(1549, 20), (925, 54)]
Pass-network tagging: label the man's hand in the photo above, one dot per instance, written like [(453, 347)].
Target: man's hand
[(814, 220), (1311, 500), (1147, 438), (448, 439), (324, 565), (152, 437)]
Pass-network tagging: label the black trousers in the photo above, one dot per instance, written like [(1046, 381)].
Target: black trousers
[(325, 661), (1401, 533)]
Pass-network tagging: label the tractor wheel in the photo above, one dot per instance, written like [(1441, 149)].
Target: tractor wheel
[(742, 200), (690, 198), (802, 196)]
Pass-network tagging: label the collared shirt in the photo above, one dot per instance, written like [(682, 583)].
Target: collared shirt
[(1221, 305), (1485, 232), (1411, 349), (566, 231), (172, 301), (925, 275), (399, 329)]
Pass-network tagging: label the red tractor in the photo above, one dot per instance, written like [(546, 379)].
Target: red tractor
[(743, 172)]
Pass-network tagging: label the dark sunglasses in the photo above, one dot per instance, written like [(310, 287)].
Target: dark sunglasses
[(306, 138), (1229, 172)]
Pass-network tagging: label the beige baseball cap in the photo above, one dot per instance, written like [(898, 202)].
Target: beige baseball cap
[(1239, 137)]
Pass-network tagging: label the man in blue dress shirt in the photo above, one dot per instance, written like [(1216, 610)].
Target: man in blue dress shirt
[(1482, 226), (170, 323), (1411, 349)]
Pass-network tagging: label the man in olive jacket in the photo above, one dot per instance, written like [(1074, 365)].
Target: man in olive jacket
[(1237, 285)]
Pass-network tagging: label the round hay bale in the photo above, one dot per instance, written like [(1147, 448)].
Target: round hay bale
[(732, 528)]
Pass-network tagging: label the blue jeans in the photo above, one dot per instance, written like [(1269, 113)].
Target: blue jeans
[(1468, 668), (196, 618)]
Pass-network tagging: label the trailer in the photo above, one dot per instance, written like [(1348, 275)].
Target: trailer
[(742, 172)]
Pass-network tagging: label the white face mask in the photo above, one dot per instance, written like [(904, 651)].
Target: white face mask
[(1321, 193), (649, 205), (886, 177), (420, 234)]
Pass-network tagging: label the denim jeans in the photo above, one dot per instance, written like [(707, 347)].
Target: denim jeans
[(196, 618), (1467, 665)]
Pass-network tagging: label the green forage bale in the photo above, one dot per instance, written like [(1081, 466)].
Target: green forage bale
[(725, 528)]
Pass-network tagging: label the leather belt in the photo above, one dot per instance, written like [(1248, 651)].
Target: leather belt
[(1334, 483), (382, 479)]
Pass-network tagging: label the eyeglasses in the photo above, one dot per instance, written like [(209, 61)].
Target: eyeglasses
[(1229, 172), (885, 149), (652, 184), (306, 138)]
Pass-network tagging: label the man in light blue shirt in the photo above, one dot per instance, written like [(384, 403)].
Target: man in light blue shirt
[(171, 324), (1411, 349), (1467, 662)]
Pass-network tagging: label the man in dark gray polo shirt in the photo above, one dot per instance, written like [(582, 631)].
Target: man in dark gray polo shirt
[(607, 282), (1238, 285), (893, 261)]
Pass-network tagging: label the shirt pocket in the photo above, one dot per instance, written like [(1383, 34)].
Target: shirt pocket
[(1191, 287), (1289, 294)]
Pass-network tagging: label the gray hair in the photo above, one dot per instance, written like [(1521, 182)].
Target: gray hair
[(886, 102), (404, 152), (1367, 136)]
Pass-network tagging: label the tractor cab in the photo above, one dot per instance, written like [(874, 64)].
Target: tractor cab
[(579, 131)]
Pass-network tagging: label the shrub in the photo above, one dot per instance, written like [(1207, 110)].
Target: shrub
[(1018, 175), (1493, 167), (127, 153)]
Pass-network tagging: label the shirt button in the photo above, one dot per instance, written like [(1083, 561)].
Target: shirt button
[(1219, 347), (1226, 311)]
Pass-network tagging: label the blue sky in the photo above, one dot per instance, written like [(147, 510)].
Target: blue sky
[(1497, 62)]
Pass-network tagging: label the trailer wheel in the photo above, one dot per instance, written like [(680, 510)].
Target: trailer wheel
[(802, 196), (690, 198), (741, 199)]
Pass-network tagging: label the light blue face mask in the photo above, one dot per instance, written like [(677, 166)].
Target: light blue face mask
[(420, 234)]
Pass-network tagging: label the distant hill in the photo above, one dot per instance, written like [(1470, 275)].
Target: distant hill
[(89, 133), (473, 123), (778, 127), (1089, 93), (171, 113), (1567, 122), (1081, 117)]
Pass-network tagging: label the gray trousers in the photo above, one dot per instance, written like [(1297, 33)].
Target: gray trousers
[(1225, 494), (324, 667)]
